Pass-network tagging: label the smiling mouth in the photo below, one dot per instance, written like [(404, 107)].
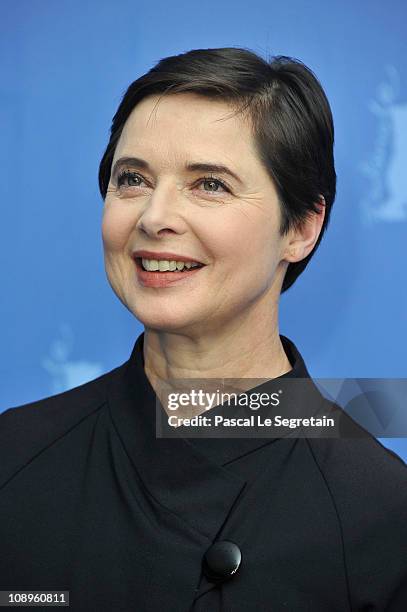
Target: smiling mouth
[(178, 269)]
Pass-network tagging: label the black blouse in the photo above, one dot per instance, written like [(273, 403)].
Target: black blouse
[(93, 503)]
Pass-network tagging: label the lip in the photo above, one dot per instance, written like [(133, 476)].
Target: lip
[(164, 255), (163, 279)]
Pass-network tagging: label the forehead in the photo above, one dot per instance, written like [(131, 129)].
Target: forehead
[(184, 126)]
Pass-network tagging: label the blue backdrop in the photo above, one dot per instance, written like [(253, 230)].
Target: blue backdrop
[(64, 68)]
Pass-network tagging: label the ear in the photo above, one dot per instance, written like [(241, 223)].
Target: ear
[(302, 240)]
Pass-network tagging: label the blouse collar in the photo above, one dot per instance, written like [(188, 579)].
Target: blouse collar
[(179, 468)]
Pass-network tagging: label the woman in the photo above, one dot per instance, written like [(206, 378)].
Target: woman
[(218, 183)]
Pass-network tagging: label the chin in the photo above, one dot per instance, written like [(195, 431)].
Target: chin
[(162, 319)]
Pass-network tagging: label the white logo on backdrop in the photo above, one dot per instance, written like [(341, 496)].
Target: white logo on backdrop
[(386, 199), (66, 373)]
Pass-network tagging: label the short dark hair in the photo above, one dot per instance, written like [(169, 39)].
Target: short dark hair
[(290, 116)]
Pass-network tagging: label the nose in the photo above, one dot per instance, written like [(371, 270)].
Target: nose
[(162, 212)]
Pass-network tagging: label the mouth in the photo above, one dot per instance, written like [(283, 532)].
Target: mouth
[(180, 267), (165, 277)]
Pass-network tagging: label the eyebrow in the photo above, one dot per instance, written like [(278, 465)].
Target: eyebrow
[(137, 162)]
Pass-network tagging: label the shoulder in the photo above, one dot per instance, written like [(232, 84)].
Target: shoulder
[(356, 457), (28, 429), (367, 484), (358, 469)]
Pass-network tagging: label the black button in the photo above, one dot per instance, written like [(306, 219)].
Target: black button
[(221, 561)]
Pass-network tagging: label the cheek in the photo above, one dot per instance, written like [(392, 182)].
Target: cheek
[(116, 228), (245, 238), (250, 252)]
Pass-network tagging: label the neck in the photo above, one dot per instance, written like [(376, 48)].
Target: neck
[(245, 349)]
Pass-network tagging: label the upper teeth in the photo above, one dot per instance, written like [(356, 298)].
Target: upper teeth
[(164, 264)]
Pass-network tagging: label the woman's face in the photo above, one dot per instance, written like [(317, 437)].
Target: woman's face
[(165, 204)]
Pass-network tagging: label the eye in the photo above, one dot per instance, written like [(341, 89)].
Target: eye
[(127, 178), (212, 185)]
